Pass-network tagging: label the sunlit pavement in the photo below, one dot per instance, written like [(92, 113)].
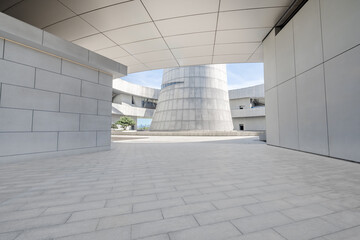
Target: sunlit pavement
[(182, 188)]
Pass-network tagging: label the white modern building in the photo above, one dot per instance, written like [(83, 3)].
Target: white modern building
[(248, 108), (133, 100), (58, 59), (247, 105)]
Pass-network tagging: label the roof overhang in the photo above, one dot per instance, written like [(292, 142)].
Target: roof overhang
[(154, 34)]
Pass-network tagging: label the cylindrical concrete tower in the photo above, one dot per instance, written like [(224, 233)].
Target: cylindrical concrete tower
[(193, 98)]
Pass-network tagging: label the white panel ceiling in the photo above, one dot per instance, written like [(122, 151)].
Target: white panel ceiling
[(197, 51), (235, 48), (188, 40), (113, 52), (154, 56), (145, 46), (72, 29), (121, 15), (162, 9), (242, 35), (255, 18), (131, 34), (230, 5), (152, 34), (95, 42), (190, 24), (40, 13), (82, 6)]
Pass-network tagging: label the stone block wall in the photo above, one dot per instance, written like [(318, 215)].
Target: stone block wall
[(50, 105)]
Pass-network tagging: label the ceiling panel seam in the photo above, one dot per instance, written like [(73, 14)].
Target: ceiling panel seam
[(160, 34)]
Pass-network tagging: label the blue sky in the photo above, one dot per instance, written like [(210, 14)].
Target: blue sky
[(240, 75)]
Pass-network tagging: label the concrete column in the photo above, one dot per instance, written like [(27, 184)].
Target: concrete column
[(193, 98)]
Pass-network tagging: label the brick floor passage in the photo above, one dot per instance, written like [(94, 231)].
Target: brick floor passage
[(181, 188)]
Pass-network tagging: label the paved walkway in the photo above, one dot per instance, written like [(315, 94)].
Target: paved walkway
[(190, 188)]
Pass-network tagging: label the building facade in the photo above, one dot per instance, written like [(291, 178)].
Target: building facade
[(248, 108), (247, 105), (193, 98)]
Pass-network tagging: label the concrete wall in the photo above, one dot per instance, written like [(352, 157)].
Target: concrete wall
[(312, 82), (250, 123), (199, 100), (51, 102), (121, 86)]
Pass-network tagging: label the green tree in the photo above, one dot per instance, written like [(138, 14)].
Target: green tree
[(125, 122)]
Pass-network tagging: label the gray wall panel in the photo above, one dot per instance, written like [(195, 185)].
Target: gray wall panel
[(288, 125), (19, 97), (343, 97), (75, 70), (74, 104), (17, 74), (54, 121), (27, 56), (75, 140), (13, 120), (57, 83), (25, 143), (312, 111), (327, 83)]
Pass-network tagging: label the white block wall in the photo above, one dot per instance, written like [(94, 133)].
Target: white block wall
[(312, 80), (50, 105)]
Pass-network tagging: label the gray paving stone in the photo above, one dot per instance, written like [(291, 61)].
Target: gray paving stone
[(9, 236), (217, 189), (305, 212), (192, 172), (210, 232), (270, 206), (264, 197), (221, 215), (24, 224), (244, 192), (262, 235), (177, 194), (348, 234), (306, 229), (139, 207), (162, 226), (234, 202), (56, 202), (129, 219), (130, 200), (157, 237), (100, 213), (58, 231), (305, 200), (344, 219), (204, 197), (261, 222), (21, 215), (187, 209), (106, 196), (74, 207), (153, 190), (122, 233)]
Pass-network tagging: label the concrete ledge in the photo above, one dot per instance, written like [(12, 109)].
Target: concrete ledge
[(187, 133), (23, 33)]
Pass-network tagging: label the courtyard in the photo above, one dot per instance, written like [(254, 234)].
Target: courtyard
[(163, 188)]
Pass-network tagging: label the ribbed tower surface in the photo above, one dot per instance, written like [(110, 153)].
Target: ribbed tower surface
[(193, 98)]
